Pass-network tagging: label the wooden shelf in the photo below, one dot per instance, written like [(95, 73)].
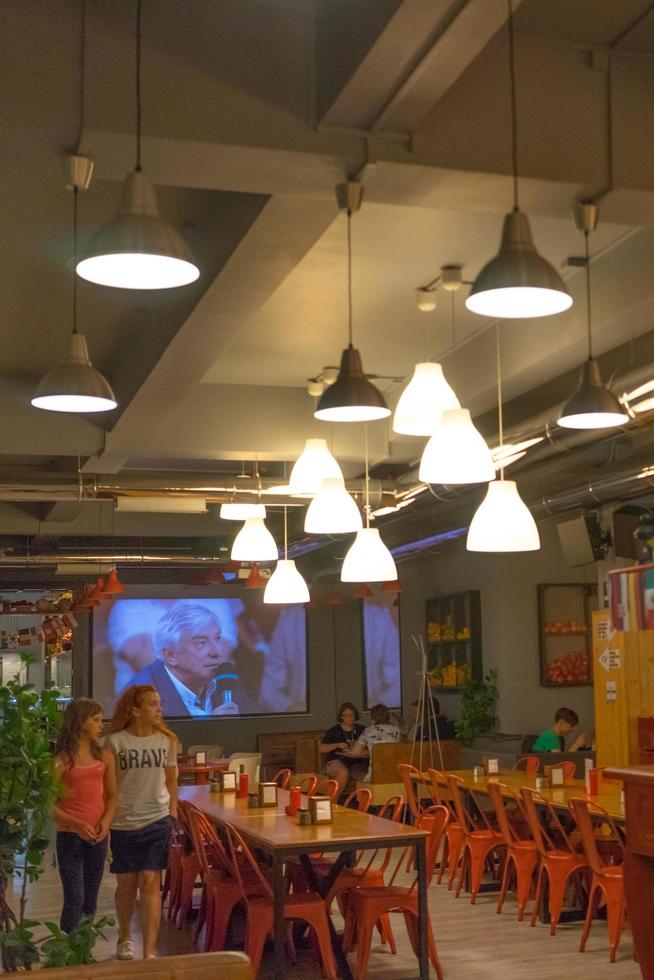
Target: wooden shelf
[(457, 611)]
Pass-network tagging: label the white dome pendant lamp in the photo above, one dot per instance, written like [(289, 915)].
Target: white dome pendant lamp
[(503, 522), (314, 464), (254, 542), (285, 586), (592, 405), (427, 394), (368, 559), (517, 282), (456, 452), (138, 249), (352, 397), (73, 384), (333, 510)]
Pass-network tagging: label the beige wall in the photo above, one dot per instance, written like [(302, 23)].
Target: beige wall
[(509, 625)]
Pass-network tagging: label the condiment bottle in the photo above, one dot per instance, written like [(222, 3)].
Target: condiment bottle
[(242, 791)]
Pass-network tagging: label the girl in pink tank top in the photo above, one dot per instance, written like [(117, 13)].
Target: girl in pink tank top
[(84, 810)]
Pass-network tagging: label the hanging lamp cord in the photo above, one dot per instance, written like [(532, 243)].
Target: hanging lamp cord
[(285, 533), (82, 77), (588, 306), (75, 193), (349, 276), (514, 107), (499, 394), (138, 86), (365, 452)]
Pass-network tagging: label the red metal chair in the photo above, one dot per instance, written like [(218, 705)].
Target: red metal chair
[(327, 787), (368, 905), (306, 906), (521, 855), (362, 797), (308, 784), (529, 764), (182, 872), (559, 859), (283, 778), (481, 839), (454, 835), (568, 766), (608, 878)]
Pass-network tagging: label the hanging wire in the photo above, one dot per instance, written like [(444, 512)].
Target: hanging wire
[(499, 394), (285, 532), (453, 315), (588, 308), (75, 193), (138, 85), (514, 108), (365, 450), (82, 76), (349, 275)]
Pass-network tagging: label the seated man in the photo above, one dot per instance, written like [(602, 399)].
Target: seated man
[(553, 739), (381, 730)]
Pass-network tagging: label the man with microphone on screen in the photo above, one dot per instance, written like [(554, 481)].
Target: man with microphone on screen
[(190, 672)]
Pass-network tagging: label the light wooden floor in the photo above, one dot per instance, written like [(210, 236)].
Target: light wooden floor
[(474, 943)]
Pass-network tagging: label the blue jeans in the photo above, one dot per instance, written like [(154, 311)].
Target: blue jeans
[(81, 866)]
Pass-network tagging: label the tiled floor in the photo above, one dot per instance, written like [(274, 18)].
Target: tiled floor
[(474, 943)]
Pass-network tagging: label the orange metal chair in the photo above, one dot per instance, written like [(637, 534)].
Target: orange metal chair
[(308, 784), (481, 839), (368, 905), (454, 835), (608, 879), (569, 769), (283, 778), (327, 787), (306, 906), (521, 855), (529, 764), (411, 777), (559, 859), (362, 797), (183, 871)]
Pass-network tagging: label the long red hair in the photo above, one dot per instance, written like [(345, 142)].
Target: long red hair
[(130, 699)]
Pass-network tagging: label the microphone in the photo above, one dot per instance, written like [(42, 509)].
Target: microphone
[(225, 684)]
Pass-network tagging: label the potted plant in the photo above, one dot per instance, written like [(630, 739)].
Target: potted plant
[(477, 707)]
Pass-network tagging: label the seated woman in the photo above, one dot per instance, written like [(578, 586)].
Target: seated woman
[(381, 730), (336, 747)]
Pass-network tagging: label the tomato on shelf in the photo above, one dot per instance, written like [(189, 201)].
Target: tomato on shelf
[(571, 668)]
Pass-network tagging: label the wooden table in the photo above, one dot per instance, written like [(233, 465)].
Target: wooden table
[(279, 836), (639, 860), (202, 772), (608, 796)]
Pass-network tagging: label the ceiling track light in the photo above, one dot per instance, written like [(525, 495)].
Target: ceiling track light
[(286, 586), (518, 282), (73, 384), (138, 249), (592, 405), (368, 559), (352, 397), (503, 522)]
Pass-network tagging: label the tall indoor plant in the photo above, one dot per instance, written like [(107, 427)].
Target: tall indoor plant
[(477, 707)]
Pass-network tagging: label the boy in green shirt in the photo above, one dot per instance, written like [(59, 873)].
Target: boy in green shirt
[(553, 739)]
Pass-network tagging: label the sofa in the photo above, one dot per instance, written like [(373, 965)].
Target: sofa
[(289, 750)]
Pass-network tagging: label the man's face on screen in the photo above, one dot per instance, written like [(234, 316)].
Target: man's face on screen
[(197, 654)]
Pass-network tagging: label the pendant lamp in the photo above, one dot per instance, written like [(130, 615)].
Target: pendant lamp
[(362, 591), (314, 464), (368, 559), (518, 282), (286, 586), (138, 249), (428, 394), (592, 405), (255, 579), (456, 452), (352, 397), (241, 512), (254, 542), (503, 521), (73, 384), (332, 510), (113, 586)]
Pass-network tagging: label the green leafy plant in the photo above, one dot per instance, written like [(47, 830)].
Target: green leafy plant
[(76, 947), (478, 707)]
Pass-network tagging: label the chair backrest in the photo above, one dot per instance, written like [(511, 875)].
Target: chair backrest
[(583, 812), (212, 752), (463, 817), (569, 769), (441, 792), (241, 857), (250, 760), (194, 966), (308, 784), (283, 778), (499, 793), (361, 797), (529, 764), (208, 847), (549, 834), (409, 776), (438, 817), (328, 787)]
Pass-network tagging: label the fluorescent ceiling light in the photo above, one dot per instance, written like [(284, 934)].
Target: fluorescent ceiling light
[(82, 568), (241, 512), (285, 585), (161, 505), (508, 449)]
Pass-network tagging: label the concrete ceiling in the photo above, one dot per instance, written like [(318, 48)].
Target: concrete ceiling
[(252, 112)]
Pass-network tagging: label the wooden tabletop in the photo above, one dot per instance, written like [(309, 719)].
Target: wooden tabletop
[(218, 764), (608, 796), (272, 829)]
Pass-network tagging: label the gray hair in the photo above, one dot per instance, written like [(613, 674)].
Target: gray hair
[(181, 618)]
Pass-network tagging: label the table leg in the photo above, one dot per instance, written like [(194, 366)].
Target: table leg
[(638, 883), (423, 912), (344, 859), (278, 912)]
